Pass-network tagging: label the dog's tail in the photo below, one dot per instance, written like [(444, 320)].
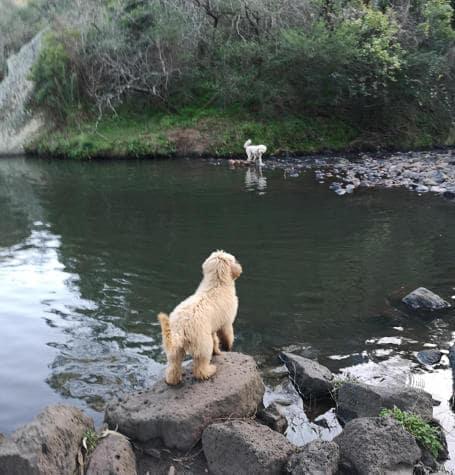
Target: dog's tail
[(166, 331), (247, 143)]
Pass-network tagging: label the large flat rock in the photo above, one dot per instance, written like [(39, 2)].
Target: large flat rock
[(245, 448), (177, 415)]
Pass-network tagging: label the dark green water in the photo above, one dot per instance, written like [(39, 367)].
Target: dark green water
[(90, 252)]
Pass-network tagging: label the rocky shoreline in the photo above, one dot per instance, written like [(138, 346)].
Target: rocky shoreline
[(421, 172), (221, 427), (228, 424)]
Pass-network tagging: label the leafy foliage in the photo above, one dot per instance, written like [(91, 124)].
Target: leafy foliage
[(424, 433), (56, 81), (90, 438), (386, 67)]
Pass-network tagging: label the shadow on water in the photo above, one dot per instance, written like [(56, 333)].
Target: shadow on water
[(91, 252)]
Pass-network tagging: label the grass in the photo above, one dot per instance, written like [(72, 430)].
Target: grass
[(91, 440), (192, 131), (423, 432)]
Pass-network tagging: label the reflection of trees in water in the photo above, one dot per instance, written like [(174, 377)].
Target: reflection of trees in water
[(19, 205), (317, 267)]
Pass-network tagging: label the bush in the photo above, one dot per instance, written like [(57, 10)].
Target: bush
[(427, 435), (56, 81), (386, 69)]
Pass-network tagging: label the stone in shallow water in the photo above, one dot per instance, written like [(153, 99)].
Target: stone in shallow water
[(424, 299), (377, 445), (364, 400), (245, 447), (311, 379), (178, 414), (422, 189), (429, 357), (273, 417)]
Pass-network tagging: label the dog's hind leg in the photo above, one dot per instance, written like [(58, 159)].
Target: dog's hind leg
[(174, 369), (216, 344), (202, 369), (226, 336)]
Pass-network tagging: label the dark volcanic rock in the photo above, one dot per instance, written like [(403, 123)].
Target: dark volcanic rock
[(424, 299), (377, 445), (311, 379), (178, 414), (363, 400), (272, 417), (429, 357), (319, 457), (245, 447), (46, 446), (112, 455)]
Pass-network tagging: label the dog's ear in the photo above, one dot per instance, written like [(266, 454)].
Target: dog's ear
[(223, 269), (236, 270), (216, 266)]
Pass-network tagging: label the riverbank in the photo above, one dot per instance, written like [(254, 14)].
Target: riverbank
[(202, 132), (224, 426)]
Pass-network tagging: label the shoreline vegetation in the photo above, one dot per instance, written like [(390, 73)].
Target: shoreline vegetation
[(151, 78), (211, 133)]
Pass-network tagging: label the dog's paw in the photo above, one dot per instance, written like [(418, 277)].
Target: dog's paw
[(205, 373), (173, 381)]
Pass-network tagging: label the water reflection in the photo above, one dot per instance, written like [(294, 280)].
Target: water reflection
[(255, 180), (91, 252)]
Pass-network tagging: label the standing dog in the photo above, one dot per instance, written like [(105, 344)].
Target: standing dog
[(254, 152), (198, 324)]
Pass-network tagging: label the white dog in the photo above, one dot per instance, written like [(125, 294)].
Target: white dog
[(254, 152), (198, 324)]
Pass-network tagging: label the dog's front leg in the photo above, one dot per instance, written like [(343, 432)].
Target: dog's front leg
[(226, 336)]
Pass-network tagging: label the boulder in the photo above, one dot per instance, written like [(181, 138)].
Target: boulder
[(377, 445), (177, 415), (113, 454), (46, 446), (364, 400), (245, 447), (319, 457), (429, 357), (273, 417), (426, 300), (12, 462), (311, 379)]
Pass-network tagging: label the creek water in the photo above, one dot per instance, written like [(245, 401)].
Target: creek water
[(90, 253)]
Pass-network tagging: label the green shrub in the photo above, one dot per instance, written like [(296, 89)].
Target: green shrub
[(56, 89), (427, 435)]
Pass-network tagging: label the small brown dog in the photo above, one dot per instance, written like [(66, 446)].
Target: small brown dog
[(198, 324)]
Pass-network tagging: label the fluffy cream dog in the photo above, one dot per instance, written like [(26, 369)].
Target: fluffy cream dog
[(198, 324), (254, 152)]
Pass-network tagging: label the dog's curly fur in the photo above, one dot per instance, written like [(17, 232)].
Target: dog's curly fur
[(199, 324), (254, 152)]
